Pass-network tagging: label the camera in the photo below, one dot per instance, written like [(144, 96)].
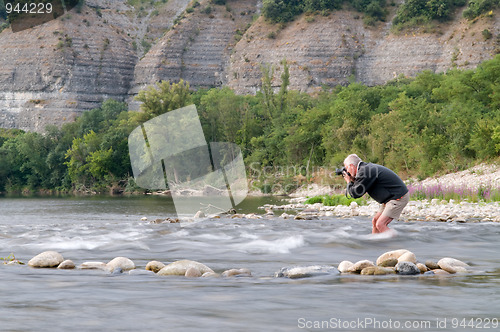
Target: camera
[(339, 171)]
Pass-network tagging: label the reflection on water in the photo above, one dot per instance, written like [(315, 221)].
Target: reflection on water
[(101, 228)]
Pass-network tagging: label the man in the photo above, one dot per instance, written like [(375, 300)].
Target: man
[(382, 184)]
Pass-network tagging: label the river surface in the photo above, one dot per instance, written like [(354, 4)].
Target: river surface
[(99, 229)]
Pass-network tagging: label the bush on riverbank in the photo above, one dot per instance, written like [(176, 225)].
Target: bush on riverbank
[(334, 200)]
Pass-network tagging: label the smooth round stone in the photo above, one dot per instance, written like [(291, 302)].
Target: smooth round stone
[(154, 266), (391, 254), (408, 257), (237, 272), (407, 268), (429, 273), (376, 270), (358, 266), (46, 259), (431, 265), (66, 265), (210, 275), (120, 262), (192, 273), (422, 267), (306, 271), (179, 268), (344, 266), (440, 272), (93, 266), (391, 262), (452, 265)]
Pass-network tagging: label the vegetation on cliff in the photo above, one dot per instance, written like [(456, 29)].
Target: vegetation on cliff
[(420, 126)]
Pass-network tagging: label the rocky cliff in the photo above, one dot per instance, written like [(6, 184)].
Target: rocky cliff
[(51, 73)]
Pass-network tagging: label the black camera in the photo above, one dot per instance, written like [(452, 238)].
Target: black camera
[(339, 171)]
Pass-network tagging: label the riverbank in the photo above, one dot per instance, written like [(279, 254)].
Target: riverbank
[(457, 197)]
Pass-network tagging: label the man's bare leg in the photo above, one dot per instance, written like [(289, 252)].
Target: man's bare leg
[(374, 222), (382, 222)]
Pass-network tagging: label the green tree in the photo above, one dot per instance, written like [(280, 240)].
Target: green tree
[(164, 97)]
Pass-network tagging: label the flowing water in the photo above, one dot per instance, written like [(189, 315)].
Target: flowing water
[(99, 229)]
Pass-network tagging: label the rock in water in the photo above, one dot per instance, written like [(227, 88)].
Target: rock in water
[(376, 270), (93, 266), (358, 266), (46, 259), (408, 257), (391, 254), (237, 272), (344, 266), (422, 267), (154, 266), (122, 262), (66, 265), (306, 271), (192, 273), (407, 268), (179, 268), (452, 265), (391, 262), (431, 265)]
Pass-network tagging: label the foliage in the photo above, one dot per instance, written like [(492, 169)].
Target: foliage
[(478, 7), (431, 123), (335, 200), (282, 11), (417, 12)]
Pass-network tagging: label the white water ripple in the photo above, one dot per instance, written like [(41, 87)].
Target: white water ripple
[(278, 246)]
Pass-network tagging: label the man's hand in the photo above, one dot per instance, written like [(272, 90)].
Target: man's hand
[(348, 178)]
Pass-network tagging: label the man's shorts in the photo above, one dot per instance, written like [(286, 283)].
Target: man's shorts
[(393, 208)]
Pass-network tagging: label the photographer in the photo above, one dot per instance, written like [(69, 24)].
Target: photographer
[(382, 184)]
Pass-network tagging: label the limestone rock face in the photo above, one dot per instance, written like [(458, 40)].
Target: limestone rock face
[(53, 72)]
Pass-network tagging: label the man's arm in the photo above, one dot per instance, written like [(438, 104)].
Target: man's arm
[(362, 183)]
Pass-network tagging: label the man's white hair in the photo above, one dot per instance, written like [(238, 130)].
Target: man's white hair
[(352, 159)]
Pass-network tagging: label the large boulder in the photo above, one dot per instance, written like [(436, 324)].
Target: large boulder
[(179, 268), (306, 271), (452, 265), (120, 262), (46, 259)]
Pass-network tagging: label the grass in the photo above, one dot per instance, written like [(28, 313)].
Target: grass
[(481, 194), (334, 200)]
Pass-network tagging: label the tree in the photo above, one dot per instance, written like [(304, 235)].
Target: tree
[(164, 97)]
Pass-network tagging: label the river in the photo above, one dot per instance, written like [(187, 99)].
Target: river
[(101, 228)]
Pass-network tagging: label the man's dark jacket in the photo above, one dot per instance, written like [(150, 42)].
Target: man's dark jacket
[(378, 181)]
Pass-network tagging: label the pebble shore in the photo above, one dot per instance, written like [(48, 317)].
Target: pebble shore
[(423, 210)]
